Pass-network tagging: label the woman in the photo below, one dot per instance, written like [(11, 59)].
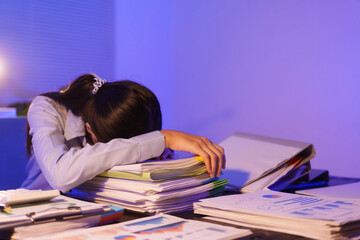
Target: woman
[(92, 126)]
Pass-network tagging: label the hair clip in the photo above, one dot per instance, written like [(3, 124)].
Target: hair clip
[(98, 83)]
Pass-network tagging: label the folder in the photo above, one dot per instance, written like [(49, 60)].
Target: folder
[(157, 175), (255, 162), (147, 187)]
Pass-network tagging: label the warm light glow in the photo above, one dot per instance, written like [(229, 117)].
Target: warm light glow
[(2, 69)]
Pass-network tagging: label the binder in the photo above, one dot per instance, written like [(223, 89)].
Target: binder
[(255, 162)]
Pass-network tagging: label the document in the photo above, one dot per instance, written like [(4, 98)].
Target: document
[(159, 227), (148, 187), (346, 191), (307, 216)]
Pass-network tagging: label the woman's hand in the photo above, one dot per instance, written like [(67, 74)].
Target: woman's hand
[(212, 153)]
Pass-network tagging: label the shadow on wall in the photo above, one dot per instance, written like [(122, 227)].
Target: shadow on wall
[(12, 152)]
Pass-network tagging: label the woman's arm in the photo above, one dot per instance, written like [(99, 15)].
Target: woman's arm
[(66, 168)]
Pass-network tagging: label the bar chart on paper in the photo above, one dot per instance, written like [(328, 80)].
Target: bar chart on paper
[(157, 227)]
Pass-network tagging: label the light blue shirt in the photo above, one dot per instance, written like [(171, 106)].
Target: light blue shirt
[(61, 157)]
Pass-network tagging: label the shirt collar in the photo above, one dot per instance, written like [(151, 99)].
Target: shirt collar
[(74, 126)]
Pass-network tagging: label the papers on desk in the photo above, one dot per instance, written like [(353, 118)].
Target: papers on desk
[(312, 217), (256, 162), (163, 186), (345, 191), (58, 214), (157, 227)]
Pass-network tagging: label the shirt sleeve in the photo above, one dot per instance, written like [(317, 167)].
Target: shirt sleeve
[(66, 168)]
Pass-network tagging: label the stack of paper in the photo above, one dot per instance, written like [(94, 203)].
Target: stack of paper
[(257, 162), (312, 217), (164, 186), (157, 227), (56, 215)]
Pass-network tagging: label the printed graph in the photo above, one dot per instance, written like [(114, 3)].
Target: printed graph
[(271, 196), (154, 221), (300, 201), (174, 227)]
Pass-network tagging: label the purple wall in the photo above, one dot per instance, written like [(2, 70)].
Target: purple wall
[(285, 69), (45, 45)]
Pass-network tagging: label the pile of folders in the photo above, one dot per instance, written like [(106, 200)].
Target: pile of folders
[(164, 186)]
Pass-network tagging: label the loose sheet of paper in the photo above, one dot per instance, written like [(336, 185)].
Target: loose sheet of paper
[(346, 191), (156, 227)]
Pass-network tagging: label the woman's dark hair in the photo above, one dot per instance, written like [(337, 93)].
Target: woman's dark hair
[(121, 109)]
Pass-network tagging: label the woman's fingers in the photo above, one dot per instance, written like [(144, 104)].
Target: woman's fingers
[(210, 158), (207, 161), (216, 153), (221, 154)]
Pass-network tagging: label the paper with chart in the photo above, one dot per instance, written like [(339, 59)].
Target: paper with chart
[(157, 227), (312, 217), (288, 205)]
